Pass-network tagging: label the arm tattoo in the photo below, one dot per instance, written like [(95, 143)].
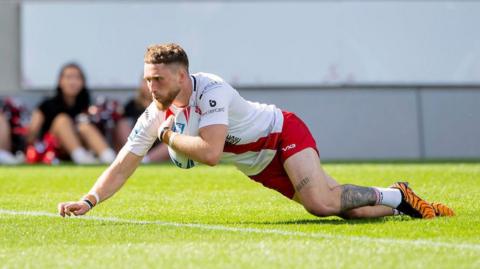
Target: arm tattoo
[(302, 184), (355, 196)]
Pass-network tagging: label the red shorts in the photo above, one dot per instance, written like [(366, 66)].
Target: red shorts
[(295, 137)]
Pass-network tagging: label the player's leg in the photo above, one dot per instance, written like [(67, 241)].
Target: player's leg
[(96, 142), (319, 196), (302, 164), (323, 199), (365, 211)]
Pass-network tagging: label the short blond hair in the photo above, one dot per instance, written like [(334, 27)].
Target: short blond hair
[(166, 54)]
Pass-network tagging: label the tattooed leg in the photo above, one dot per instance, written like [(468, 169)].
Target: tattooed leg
[(355, 196), (302, 184), (377, 211), (321, 195), (365, 211)]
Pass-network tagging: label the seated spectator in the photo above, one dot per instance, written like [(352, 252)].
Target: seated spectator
[(63, 119), (132, 111), (13, 121), (6, 156)]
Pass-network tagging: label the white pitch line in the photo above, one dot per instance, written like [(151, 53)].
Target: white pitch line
[(393, 241)]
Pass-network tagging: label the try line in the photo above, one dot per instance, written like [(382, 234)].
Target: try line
[(413, 242)]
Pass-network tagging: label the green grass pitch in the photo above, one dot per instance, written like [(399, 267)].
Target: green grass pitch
[(165, 217)]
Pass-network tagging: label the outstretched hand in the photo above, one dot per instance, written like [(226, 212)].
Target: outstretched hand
[(76, 208)]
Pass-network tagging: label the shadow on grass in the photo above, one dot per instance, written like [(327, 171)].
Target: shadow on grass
[(326, 221), (319, 221), (300, 222)]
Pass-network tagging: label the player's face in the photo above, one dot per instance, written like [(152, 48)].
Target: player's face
[(163, 81)]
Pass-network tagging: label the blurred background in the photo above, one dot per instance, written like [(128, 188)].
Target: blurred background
[(374, 80)]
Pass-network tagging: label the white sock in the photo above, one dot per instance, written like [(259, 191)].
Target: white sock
[(389, 196), (107, 156), (6, 157), (82, 156), (397, 213)]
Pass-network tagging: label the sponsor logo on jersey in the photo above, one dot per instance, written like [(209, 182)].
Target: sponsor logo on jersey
[(289, 147), (212, 103), (232, 139), (210, 111)]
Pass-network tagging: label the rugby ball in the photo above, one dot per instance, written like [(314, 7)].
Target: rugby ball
[(186, 122)]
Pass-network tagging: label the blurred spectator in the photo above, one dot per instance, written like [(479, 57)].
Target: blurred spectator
[(132, 111), (6, 156), (13, 122), (105, 114), (62, 125)]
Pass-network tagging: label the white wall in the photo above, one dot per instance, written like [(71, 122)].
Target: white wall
[(398, 123), (354, 123), (258, 42), (451, 122)]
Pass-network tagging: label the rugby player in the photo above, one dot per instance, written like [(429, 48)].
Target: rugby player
[(271, 146)]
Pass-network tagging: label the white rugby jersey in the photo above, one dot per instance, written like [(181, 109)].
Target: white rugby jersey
[(253, 128)]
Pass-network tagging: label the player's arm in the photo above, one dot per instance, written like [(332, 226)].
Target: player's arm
[(206, 148), (116, 175), (111, 180)]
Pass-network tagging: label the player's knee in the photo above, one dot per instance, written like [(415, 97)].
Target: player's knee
[(320, 208)]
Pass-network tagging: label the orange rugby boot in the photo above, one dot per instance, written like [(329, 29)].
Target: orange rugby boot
[(442, 210), (412, 204)]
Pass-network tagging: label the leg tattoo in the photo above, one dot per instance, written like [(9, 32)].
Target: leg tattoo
[(302, 184), (355, 196)]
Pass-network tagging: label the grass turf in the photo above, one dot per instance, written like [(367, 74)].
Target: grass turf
[(271, 231)]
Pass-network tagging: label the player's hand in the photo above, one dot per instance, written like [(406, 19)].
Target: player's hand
[(166, 124), (76, 208)]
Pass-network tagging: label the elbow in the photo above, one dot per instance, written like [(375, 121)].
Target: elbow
[(212, 159)]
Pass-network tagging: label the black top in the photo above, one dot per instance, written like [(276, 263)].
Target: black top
[(51, 107), (133, 110)]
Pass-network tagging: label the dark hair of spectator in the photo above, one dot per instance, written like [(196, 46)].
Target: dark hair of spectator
[(82, 101)]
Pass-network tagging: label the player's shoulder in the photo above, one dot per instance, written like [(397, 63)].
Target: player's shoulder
[(210, 83), (206, 78), (151, 114)]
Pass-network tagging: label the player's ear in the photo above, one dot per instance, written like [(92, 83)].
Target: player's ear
[(183, 73)]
